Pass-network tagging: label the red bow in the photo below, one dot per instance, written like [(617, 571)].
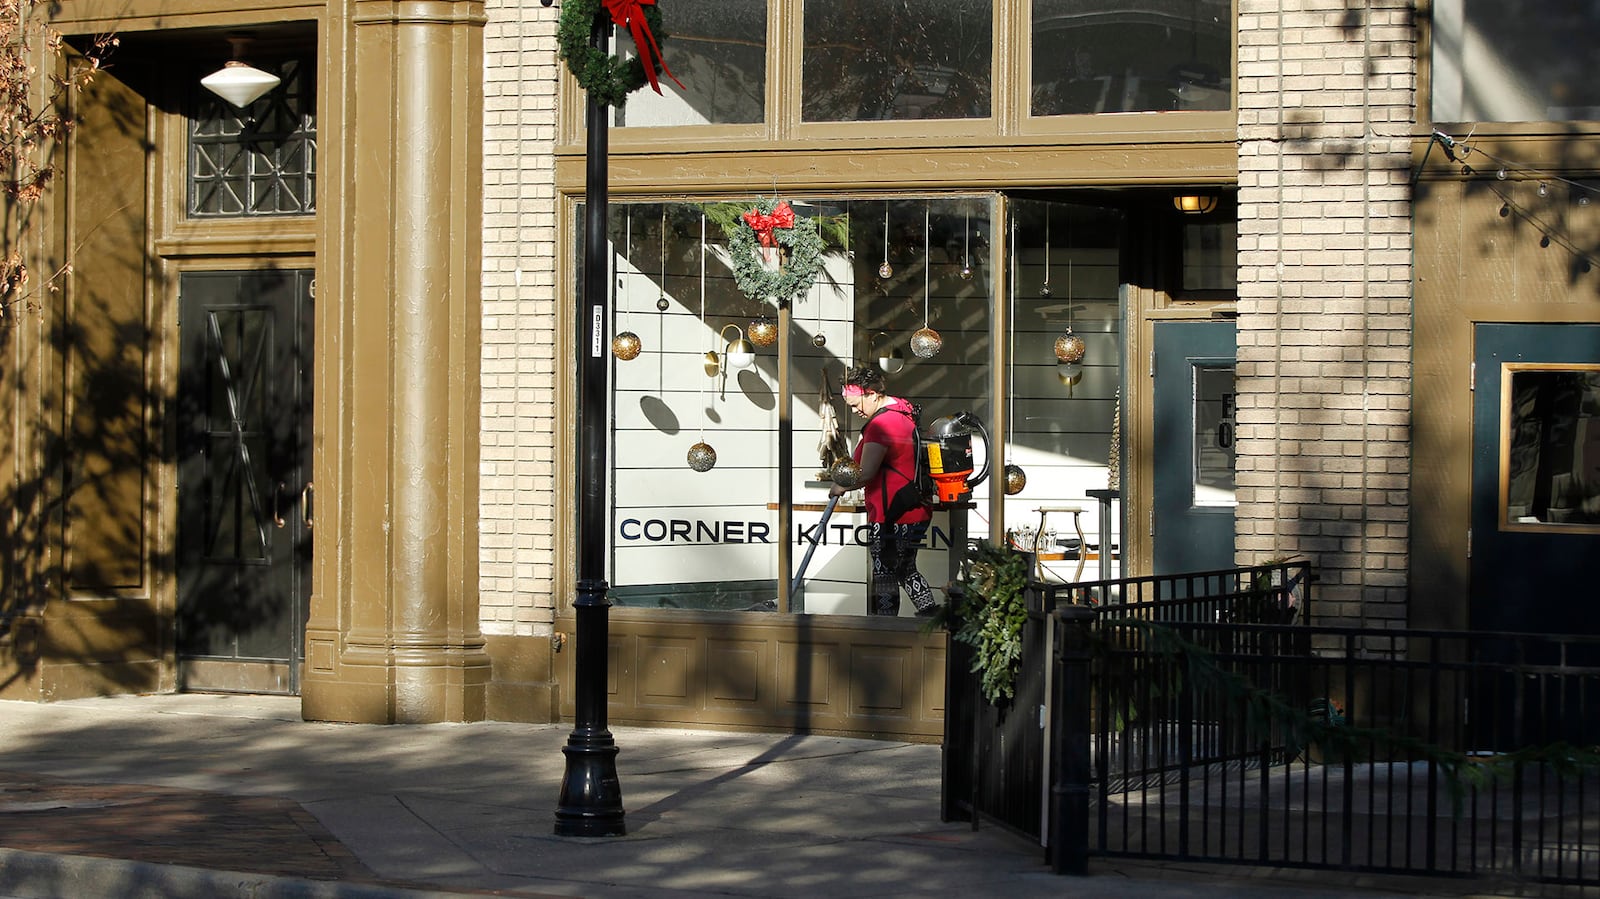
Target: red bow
[(630, 14), (782, 217)]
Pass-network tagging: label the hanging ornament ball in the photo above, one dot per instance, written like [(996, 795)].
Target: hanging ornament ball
[(626, 346), (1069, 347), (966, 273), (886, 271), (846, 474), (1016, 479), (763, 331), (663, 304), (702, 457), (1070, 373), (926, 343), (1045, 291), (819, 340)]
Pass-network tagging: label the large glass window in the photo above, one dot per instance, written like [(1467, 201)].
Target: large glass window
[(257, 161), (718, 50), (1551, 451), (1515, 61), (1096, 56), (871, 60), (684, 538)]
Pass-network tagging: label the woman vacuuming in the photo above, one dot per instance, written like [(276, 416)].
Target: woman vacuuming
[(897, 519)]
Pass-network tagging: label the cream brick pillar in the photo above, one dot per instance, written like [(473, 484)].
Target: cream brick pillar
[(394, 633), (1326, 100)]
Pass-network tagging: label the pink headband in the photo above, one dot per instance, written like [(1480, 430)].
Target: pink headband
[(853, 390)]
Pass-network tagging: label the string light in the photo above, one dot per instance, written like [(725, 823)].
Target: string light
[(1580, 194)]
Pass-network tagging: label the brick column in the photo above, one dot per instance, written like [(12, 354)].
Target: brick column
[(1326, 102)]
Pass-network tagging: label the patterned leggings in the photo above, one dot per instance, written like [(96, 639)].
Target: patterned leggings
[(894, 565)]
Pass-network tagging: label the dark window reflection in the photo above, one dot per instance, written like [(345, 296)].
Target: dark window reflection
[(869, 60), (1093, 56), (718, 49), (1515, 61), (1553, 462)]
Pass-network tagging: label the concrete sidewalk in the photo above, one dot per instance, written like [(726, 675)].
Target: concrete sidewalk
[(216, 796)]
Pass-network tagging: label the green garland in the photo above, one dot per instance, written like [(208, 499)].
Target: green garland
[(796, 274), (991, 617), (608, 79)]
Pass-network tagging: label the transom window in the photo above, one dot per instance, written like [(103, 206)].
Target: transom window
[(257, 161)]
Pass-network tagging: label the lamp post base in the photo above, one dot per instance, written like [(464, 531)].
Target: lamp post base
[(591, 794)]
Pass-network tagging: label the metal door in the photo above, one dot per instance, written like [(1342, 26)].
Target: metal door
[(243, 417), (1193, 489), (1534, 547)]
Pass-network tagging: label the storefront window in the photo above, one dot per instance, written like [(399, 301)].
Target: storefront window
[(872, 60), (1065, 279), (718, 50), (1098, 56), (682, 538), (1551, 428), (1515, 61)]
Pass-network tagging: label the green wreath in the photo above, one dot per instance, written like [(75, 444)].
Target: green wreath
[(608, 79), (801, 244)]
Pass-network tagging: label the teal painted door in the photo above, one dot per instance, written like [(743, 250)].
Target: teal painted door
[(1535, 539), (243, 419), (1193, 483)]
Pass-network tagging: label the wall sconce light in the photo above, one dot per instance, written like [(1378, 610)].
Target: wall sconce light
[(738, 353), (237, 81), (1194, 204), (890, 359)]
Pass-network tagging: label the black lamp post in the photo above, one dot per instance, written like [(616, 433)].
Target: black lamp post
[(591, 796)]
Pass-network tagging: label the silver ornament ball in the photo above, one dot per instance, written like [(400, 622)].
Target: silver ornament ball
[(926, 343), (702, 457)]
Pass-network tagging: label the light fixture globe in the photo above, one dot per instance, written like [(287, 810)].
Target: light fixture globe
[(1070, 373), (1194, 204), (1016, 479), (846, 474), (626, 346), (702, 457), (926, 343), (1069, 347), (738, 353), (239, 83)]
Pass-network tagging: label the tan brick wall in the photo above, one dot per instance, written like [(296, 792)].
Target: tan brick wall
[(1326, 102), (517, 498)]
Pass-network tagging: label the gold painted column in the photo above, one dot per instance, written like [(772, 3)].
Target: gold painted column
[(393, 635)]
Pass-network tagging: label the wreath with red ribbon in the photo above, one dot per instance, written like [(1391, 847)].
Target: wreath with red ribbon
[(771, 229), (610, 79)]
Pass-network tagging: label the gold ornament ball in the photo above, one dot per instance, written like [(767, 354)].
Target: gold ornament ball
[(626, 346), (926, 343), (846, 474), (819, 340), (1069, 347), (966, 273), (763, 331), (702, 457), (1016, 479), (885, 271)]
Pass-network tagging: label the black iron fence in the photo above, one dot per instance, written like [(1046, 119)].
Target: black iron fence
[(1191, 724), (995, 762)]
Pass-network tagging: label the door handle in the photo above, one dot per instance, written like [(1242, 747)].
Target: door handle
[(277, 498), (306, 497)]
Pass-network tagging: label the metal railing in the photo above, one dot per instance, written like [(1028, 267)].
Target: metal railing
[(1400, 751)]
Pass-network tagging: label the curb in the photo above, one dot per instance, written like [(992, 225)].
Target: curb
[(43, 875)]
